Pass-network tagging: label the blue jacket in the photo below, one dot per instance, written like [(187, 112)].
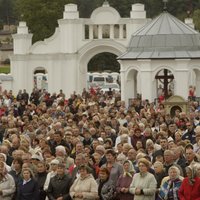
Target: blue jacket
[(28, 191)]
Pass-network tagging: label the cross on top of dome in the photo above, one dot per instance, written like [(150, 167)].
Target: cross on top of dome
[(105, 3), (165, 5)]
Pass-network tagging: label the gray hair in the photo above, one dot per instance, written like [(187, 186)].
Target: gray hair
[(176, 169)]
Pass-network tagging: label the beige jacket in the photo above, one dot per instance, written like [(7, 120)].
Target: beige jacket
[(87, 186), (7, 185), (147, 183)]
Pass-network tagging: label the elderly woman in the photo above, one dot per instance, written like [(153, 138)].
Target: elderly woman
[(123, 137), (160, 172), (197, 168), (53, 167), (106, 187), (124, 182), (85, 186), (190, 187), (144, 184), (3, 158), (169, 188), (28, 187), (7, 183)]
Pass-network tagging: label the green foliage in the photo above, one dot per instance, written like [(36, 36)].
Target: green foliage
[(42, 15), (7, 12), (196, 18), (5, 69), (102, 62)]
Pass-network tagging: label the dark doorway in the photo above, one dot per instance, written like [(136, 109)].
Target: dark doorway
[(173, 110)]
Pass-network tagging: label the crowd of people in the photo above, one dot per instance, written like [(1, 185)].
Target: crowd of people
[(92, 146)]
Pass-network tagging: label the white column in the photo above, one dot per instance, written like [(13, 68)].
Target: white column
[(182, 78), (123, 97), (111, 31), (146, 86), (99, 31), (182, 83), (197, 84), (91, 32), (121, 31), (146, 80)]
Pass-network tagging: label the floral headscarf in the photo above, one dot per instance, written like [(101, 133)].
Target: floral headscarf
[(193, 174), (130, 170), (4, 172)]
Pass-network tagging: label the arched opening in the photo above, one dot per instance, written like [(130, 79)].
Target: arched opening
[(132, 84), (4, 64), (195, 81), (164, 83), (40, 78), (173, 110), (89, 52), (103, 69), (103, 62)]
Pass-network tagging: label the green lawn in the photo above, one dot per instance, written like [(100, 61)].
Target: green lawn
[(5, 69)]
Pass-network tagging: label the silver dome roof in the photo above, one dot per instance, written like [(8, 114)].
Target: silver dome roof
[(164, 37)]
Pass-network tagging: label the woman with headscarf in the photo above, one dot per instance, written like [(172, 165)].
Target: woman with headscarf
[(7, 183), (190, 187), (124, 181), (169, 188), (3, 158), (52, 172)]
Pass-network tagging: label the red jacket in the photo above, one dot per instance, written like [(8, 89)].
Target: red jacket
[(189, 192)]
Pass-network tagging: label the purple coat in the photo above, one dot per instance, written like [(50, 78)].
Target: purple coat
[(124, 181)]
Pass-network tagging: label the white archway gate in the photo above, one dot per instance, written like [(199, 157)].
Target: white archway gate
[(66, 54), (88, 52)]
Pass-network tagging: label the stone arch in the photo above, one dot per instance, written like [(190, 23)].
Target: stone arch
[(174, 108), (132, 83), (174, 103), (89, 51), (194, 79), (161, 68), (159, 83), (99, 15), (40, 78)]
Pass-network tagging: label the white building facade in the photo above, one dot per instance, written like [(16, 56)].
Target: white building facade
[(64, 57), (164, 50)]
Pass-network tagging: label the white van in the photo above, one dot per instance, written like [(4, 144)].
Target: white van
[(98, 81)]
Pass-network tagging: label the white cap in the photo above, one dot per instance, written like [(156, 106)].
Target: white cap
[(37, 156), (54, 161), (170, 139)]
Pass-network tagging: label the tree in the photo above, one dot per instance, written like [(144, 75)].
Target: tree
[(102, 62), (6, 12), (196, 18), (41, 15)]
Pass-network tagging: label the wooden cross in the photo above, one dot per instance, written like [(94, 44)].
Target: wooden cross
[(165, 79)]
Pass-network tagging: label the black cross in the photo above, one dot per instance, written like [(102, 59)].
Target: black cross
[(165, 79)]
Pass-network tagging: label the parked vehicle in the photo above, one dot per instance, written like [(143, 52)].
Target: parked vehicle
[(110, 86)]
